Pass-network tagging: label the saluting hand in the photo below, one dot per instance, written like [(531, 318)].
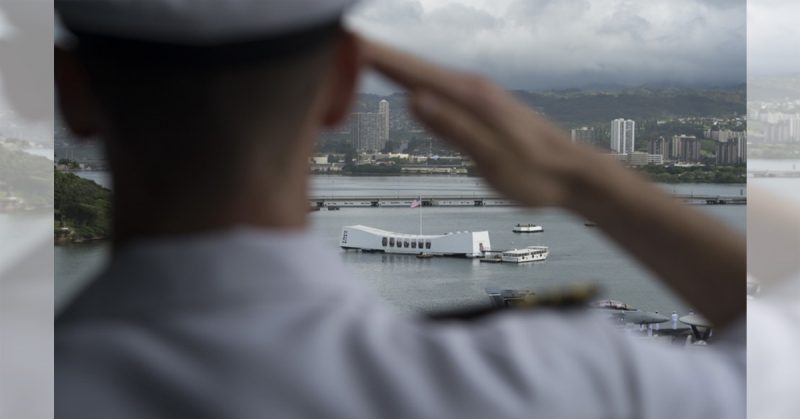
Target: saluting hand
[(517, 151), (533, 162)]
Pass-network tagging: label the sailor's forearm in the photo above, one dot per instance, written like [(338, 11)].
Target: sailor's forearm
[(701, 259)]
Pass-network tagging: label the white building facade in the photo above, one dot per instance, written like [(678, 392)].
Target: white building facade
[(383, 121), (623, 135), (459, 244)]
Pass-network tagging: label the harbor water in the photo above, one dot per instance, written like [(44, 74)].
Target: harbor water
[(578, 254)]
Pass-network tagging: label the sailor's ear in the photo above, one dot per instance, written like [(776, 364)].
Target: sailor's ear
[(346, 65), (75, 100)]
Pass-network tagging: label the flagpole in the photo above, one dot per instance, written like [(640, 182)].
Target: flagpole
[(420, 215)]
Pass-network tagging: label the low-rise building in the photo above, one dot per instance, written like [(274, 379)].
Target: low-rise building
[(656, 159), (319, 159), (620, 157), (638, 158)]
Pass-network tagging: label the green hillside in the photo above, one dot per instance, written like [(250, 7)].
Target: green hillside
[(574, 108), (82, 208)]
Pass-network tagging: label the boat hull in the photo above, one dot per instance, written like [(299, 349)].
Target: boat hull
[(524, 259), (528, 229), (528, 254)]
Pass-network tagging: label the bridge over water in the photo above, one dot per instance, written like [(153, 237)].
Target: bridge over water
[(775, 173), (478, 200)]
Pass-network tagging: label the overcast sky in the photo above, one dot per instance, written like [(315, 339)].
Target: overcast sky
[(773, 36), (26, 69), (544, 44)]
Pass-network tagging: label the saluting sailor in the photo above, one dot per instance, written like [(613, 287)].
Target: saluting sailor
[(218, 301)]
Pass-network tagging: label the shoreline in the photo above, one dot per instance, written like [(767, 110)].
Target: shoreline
[(384, 174), (66, 241), (381, 174)]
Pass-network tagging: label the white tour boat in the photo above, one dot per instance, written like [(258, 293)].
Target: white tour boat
[(528, 254), (471, 244), (610, 305), (528, 228)]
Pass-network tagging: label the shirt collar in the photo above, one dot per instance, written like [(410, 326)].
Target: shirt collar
[(212, 270)]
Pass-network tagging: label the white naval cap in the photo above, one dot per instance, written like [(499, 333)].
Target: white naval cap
[(197, 23)]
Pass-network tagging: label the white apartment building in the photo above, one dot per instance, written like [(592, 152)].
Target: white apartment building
[(623, 135), (383, 121)]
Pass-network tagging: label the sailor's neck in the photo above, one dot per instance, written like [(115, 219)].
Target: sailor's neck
[(274, 205), (264, 186)]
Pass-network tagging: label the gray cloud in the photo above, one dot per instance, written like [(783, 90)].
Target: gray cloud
[(541, 44), (773, 34), (461, 17)]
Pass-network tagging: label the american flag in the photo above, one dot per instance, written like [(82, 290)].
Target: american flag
[(415, 203)]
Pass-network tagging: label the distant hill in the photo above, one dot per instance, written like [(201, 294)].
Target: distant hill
[(771, 89), (26, 176), (574, 107)]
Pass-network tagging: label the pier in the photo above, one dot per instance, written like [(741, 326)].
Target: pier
[(774, 173), (477, 200)]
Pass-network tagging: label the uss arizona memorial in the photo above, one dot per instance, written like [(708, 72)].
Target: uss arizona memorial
[(368, 239)]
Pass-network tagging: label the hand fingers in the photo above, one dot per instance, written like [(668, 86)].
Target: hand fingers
[(483, 99), (410, 71), (454, 124), (472, 112), (495, 158), (476, 94)]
